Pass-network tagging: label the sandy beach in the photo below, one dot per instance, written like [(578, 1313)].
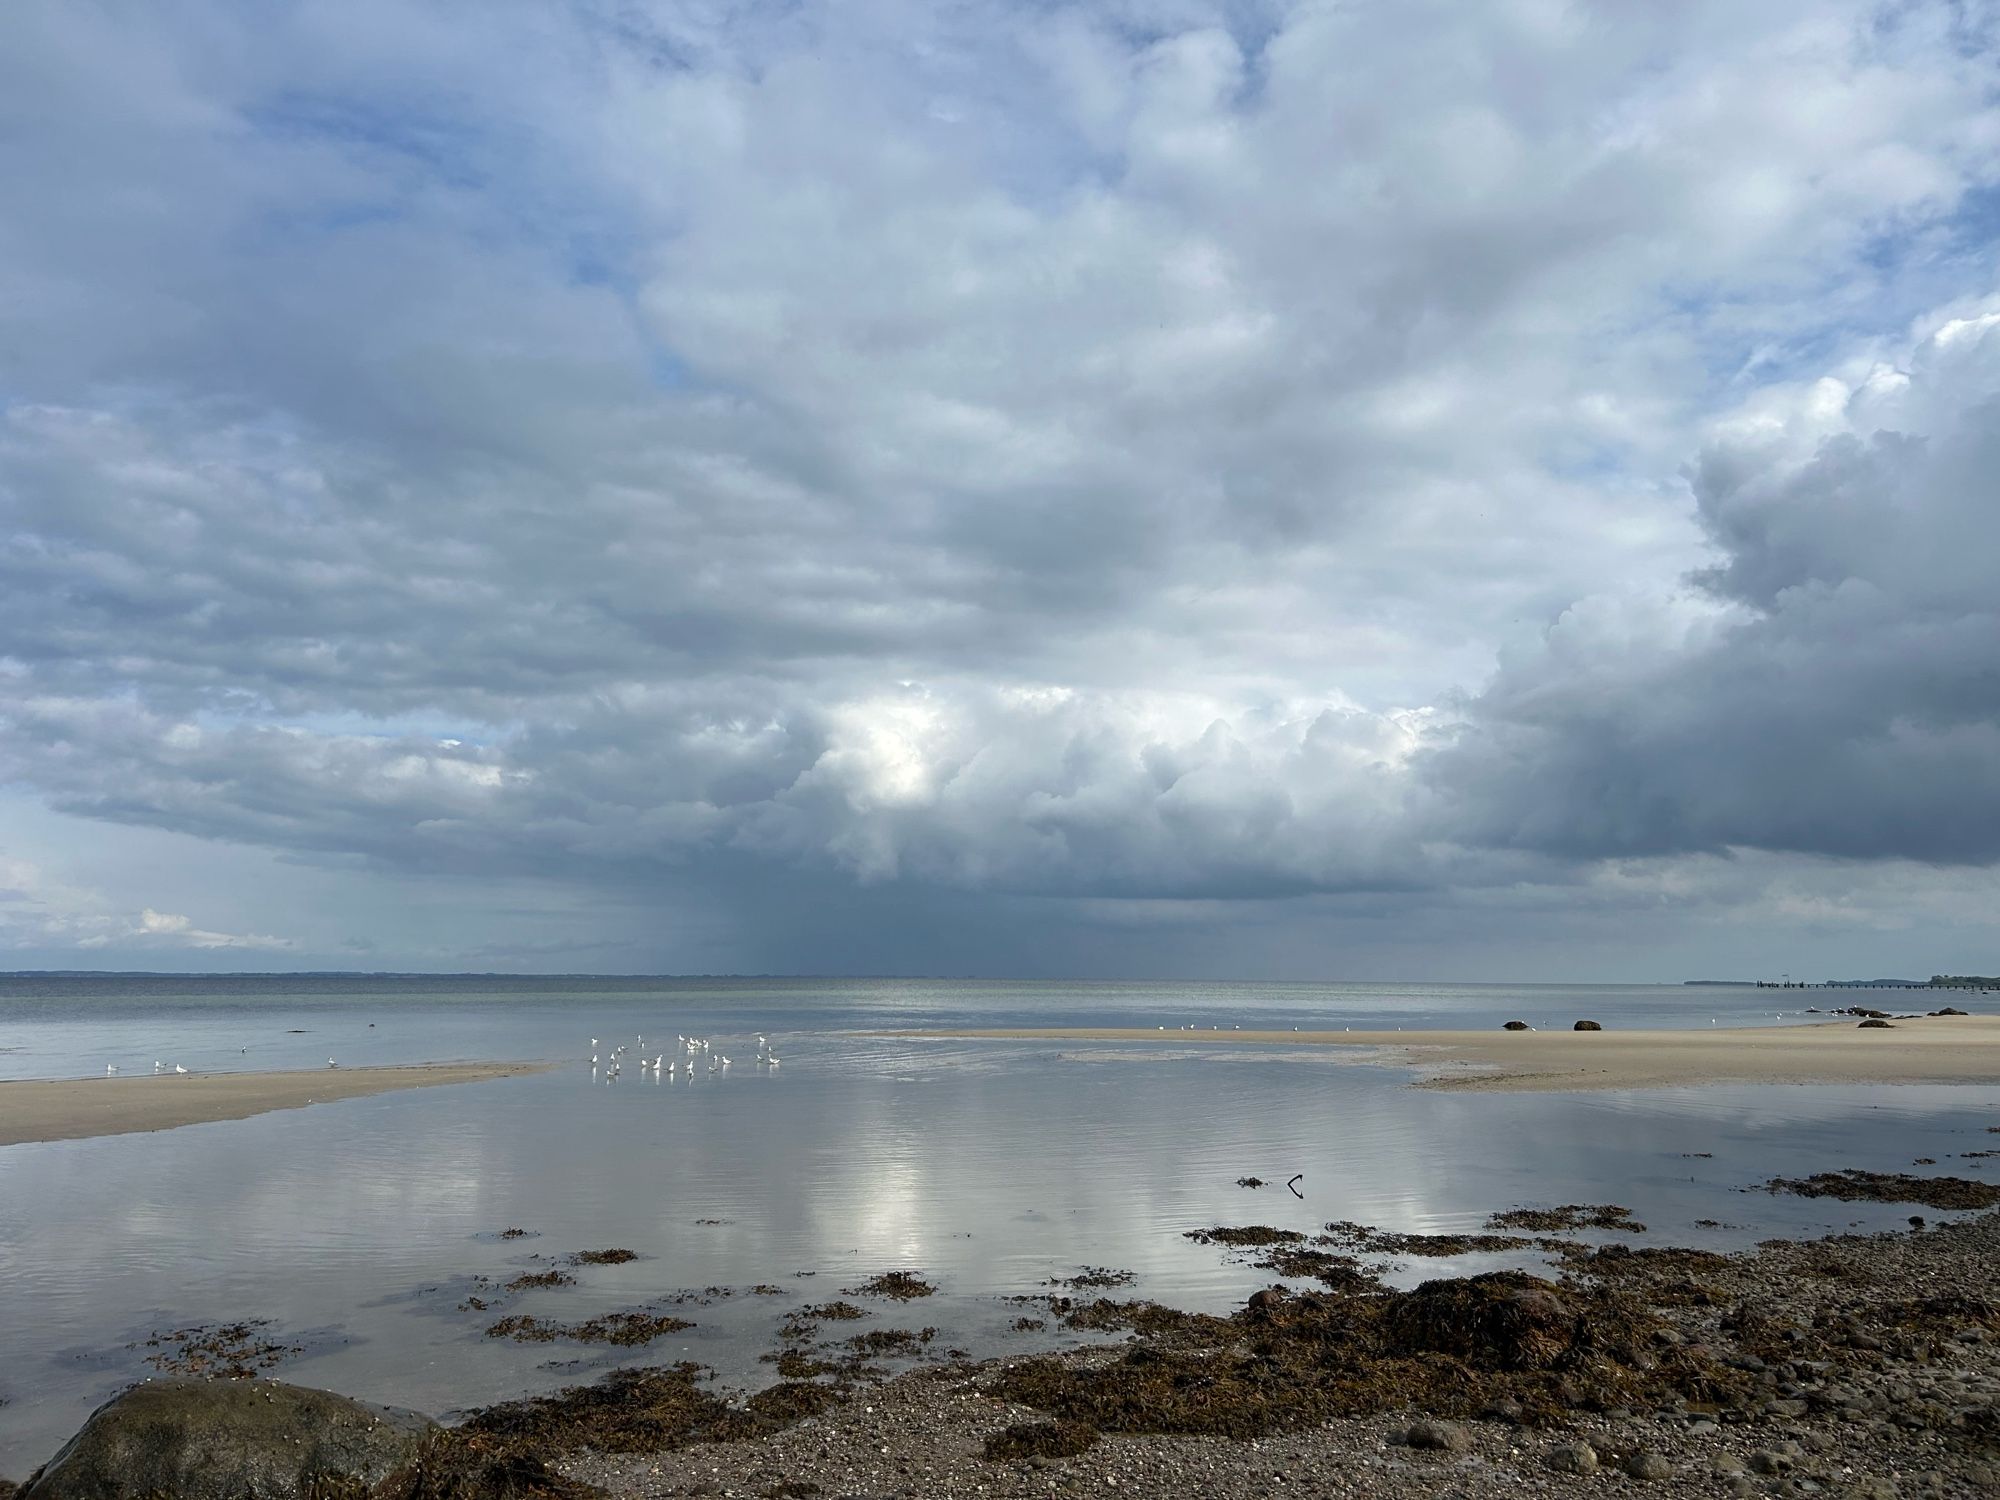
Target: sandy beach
[(65, 1109), (1931, 1049)]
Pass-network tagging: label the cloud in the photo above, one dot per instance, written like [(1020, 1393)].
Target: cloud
[(1099, 456), (41, 912), (1833, 686)]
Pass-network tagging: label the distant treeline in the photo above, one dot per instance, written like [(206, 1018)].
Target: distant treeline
[(1966, 981)]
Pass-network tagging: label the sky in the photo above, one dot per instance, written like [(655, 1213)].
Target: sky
[(1151, 488)]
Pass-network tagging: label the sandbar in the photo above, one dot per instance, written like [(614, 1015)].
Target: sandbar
[(68, 1109), (1931, 1049)]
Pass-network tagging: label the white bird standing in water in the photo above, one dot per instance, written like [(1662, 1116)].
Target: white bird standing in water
[(109, 1069), (179, 1069), (331, 1063)]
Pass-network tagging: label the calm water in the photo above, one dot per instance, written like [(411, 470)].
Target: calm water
[(357, 1227)]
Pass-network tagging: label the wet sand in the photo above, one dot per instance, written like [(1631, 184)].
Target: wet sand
[(1932, 1049), (67, 1109)]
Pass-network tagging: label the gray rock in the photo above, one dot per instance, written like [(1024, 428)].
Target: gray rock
[(1648, 1466), (1572, 1458), (1445, 1437), (1769, 1461), (1586, 1026), (227, 1440)]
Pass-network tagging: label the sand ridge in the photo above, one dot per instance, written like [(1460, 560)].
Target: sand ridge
[(64, 1109), (1930, 1049)]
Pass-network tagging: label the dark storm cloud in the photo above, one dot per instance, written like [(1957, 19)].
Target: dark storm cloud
[(1848, 705), (1076, 455)]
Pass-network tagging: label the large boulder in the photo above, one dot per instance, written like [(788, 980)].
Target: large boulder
[(229, 1440)]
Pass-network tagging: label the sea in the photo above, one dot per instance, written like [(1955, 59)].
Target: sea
[(365, 1245)]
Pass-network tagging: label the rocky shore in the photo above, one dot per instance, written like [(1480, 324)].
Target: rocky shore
[(1860, 1366), (1864, 1367)]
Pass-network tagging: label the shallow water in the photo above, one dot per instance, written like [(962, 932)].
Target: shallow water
[(992, 1166)]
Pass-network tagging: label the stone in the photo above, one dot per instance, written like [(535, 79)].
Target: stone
[(1443, 1437), (1515, 1026), (1586, 1026), (1572, 1458), (1874, 1025), (228, 1440), (1648, 1466), (1769, 1461)]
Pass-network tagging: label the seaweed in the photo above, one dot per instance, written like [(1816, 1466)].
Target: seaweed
[(880, 1343), (831, 1312), (1244, 1235), (1453, 1347), (225, 1351), (900, 1286), (1090, 1278), (1569, 1216), (1025, 1440), (602, 1257), (537, 1279), (1340, 1273), (621, 1328), (1856, 1186), (1361, 1237)]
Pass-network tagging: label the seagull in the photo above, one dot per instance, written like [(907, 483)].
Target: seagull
[(179, 1069), (109, 1069), (331, 1063), (158, 1066)]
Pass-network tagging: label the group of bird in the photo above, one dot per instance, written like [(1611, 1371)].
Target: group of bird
[(693, 1052)]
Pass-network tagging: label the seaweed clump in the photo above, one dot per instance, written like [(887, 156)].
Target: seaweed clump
[(1091, 1278), (1245, 1235), (624, 1329), (226, 1351), (1856, 1186), (899, 1286), (882, 1343), (1369, 1241), (830, 1312), (502, 1453), (1057, 1439), (1453, 1347), (1569, 1216), (538, 1279), (602, 1257)]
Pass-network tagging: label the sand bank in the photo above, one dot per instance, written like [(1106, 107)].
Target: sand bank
[(1938, 1049), (65, 1109)]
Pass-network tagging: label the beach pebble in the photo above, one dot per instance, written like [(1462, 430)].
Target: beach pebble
[(1445, 1437), (1648, 1466), (1572, 1458)]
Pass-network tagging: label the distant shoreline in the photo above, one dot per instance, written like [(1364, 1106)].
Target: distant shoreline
[(67, 1109), (1940, 1049)]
